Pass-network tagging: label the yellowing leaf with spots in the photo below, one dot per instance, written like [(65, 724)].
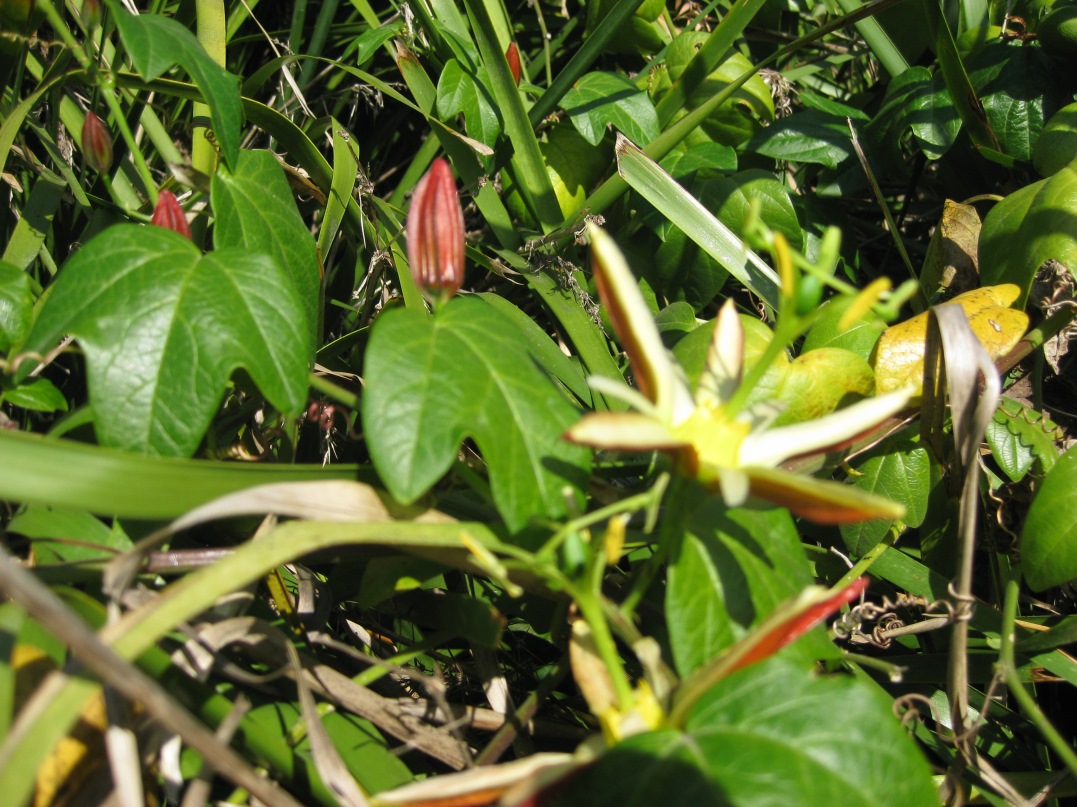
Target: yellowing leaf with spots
[(899, 355)]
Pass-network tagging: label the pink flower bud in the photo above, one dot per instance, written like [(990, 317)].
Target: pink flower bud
[(513, 56), (170, 215), (436, 233), (96, 144)]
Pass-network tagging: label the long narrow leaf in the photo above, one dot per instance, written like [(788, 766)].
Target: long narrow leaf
[(530, 167), (679, 206), (709, 57), (62, 473)]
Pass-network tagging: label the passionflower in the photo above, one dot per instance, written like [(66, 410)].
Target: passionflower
[(436, 233), (735, 453)]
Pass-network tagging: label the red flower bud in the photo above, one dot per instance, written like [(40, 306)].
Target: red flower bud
[(96, 143), (513, 56), (436, 233), (170, 215)]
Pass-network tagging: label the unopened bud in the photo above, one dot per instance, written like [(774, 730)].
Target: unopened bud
[(91, 14), (96, 144), (170, 215), (513, 56), (436, 233)]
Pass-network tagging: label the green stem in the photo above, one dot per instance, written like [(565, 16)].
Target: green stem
[(590, 605), (1008, 670), (676, 514), (628, 505), (108, 93), (334, 391), (212, 32), (860, 568)]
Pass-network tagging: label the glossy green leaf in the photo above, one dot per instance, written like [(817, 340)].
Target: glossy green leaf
[(1049, 540), (735, 196), (1014, 85), (68, 536), (163, 327), (771, 734), (156, 44), (699, 157), (544, 351), (1022, 439), (809, 136), (38, 394), (931, 115), (606, 99), (1028, 227), (432, 381), (832, 107), (899, 470), (16, 306), (255, 211), (733, 569), (460, 93)]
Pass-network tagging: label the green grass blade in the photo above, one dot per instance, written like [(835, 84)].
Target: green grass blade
[(582, 59), (63, 473), (709, 57), (876, 37), (680, 207), (529, 165)]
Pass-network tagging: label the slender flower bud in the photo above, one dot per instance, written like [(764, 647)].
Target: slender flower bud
[(91, 14), (513, 56), (436, 233), (170, 215), (96, 144)]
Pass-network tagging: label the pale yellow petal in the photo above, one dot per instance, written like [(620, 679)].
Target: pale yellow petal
[(774, 446), (623, 431), (654, 371)]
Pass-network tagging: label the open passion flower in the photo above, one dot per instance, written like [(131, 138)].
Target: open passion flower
[(736, 453)]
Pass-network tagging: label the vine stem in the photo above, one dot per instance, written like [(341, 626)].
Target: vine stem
[(669, 536), (1007, 670), (108, 93), (212, 34)]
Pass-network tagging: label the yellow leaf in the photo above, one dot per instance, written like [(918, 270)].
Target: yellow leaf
[(78, 755), (898, 359)]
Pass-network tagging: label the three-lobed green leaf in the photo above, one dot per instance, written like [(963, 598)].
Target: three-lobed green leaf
[(732, 569), (602, 99), (255, 210), (163, 327), (431, 382)]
